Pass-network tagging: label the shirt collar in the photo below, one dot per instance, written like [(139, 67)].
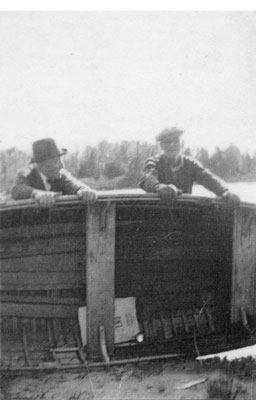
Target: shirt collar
[(44, 179)]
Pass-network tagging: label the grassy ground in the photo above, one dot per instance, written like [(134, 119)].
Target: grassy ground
[(159, 380)]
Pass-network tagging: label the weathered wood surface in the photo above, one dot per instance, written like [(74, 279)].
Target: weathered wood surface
[(30, 310), (40, 281), (43, 256), (176, 259), (123, 195), (100, 275), (41, 230), (42, 246), (244, 264), (133, 252), (173, 259), (60, 263), (41, 300)]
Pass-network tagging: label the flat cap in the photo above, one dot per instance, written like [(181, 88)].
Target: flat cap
[(168, 133)]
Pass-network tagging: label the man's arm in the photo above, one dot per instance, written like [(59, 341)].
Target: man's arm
[(149, 180), (206, 178), (24, 189), (71, 185), (21, 189), (213, 183)]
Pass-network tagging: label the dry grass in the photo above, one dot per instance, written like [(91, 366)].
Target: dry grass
[(226, 388)]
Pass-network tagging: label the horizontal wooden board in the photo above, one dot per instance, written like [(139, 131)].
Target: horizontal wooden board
[(65, 262), (32, 231), (167, 253), (38, 281), (155, 230), (38, 310), (40, 300), (30, 247), (144, 241), (167, 267)]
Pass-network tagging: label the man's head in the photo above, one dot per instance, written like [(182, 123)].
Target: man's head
[(170, 142), (48, 157)]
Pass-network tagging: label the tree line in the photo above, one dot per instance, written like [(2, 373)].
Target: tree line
[(110, 165)]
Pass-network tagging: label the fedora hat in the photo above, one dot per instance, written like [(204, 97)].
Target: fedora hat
[(169, 133), (46, 149)]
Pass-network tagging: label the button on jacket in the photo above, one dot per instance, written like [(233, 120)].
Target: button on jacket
[(29, 179), (158, 169)]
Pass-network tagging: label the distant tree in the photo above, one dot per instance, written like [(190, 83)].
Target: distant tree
[(246, 165), (72, 163), (123, 152), (104, 151), (3, 163), (11, 160), (216, 162), (231, 164), (88, 165), (113, 169), (138, 153), (203, 156), (253, 164)]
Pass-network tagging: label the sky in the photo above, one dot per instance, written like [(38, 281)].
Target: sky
[(86, 76)]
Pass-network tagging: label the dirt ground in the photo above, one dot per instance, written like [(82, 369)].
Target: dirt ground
[(149, 381)]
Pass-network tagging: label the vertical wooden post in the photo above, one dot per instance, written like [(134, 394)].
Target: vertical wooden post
[(100, 276), (244, 263)]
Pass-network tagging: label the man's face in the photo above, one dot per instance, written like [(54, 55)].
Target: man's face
[(51, 168), (172, 147)]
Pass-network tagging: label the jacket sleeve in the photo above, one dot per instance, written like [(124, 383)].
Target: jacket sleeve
[(206, 178), (21, 189), (149, 180), (69, 184)]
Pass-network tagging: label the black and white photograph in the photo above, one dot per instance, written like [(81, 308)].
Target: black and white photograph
[(127, 204)]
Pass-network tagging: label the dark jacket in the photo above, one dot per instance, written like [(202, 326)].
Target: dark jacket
[(29, 179), (159, 170)]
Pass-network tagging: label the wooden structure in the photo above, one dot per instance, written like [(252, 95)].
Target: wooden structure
[(191, 267)]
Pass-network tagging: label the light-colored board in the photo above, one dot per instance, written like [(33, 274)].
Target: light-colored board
[(100, 272), (244, 264), (127, 195)]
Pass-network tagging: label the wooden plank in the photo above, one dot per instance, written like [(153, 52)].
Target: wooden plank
[(166, 253), (48, 230), (40, 281), (244, 264), (30, 247), (65, 262), (41, 300), (124, 195), (100, 271), (26, 310)]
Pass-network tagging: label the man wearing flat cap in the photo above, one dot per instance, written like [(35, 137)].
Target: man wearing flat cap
[(171, 173), (46, 178)]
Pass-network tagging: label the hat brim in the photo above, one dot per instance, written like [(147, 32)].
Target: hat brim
[(170, 137), (63, 152), (164, 138)]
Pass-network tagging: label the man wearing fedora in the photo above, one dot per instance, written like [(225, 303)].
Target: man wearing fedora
[(46, 178), (171, 173)]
